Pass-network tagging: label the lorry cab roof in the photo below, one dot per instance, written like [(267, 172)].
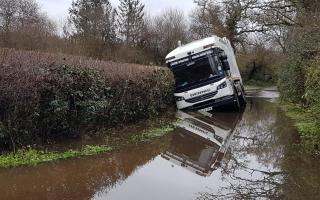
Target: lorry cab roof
[(196, 47)]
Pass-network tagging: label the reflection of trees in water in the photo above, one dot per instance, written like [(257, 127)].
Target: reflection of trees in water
[(256, 134), (248, 183), (252, 169)]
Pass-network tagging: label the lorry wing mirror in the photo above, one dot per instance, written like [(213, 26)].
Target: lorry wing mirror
[(225, 63)]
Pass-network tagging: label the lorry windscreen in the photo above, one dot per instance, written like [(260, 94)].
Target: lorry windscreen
[(197, 72)]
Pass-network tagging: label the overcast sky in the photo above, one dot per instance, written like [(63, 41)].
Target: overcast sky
[(58, 9)]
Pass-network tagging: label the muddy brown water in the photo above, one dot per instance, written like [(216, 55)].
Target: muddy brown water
[(249, 155)]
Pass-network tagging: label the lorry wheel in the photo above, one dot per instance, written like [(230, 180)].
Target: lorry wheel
[(242, 98), (237, 105)]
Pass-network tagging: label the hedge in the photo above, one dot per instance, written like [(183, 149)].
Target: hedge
[(47, 96)]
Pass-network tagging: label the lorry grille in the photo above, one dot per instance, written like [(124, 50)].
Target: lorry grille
[(202, 97)]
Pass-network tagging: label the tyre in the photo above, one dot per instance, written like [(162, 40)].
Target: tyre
[(242, 97), (237, 104)]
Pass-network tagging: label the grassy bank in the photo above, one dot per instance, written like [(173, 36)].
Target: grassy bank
[(34, 157), (31, 157), (307, 126), (299, 83), (48, 96)]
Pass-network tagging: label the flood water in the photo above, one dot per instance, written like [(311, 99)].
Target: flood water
[(209, 155)]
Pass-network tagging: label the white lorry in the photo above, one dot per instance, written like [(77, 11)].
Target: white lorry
[(206, 74)]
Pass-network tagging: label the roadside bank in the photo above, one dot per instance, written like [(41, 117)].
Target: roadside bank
[(304, 120)]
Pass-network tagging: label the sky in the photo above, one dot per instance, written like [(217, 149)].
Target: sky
[(58, 9)]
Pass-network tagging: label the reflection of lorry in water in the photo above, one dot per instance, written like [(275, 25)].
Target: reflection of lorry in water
[(206, 73), (201, 140)]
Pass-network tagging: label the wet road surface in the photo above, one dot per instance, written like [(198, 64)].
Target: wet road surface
[(210, 155)]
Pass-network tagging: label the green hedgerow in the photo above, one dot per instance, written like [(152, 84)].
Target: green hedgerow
[(48, 96)]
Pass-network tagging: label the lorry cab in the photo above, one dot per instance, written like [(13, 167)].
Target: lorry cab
[(206, 74)]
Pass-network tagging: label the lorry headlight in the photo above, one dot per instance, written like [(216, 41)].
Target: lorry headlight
[(221, 86), (179, 98)]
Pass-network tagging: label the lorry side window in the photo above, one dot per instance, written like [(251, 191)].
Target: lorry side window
[(219, 64), (215, 64)]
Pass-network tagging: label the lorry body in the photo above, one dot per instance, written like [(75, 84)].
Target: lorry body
[(206, 73)]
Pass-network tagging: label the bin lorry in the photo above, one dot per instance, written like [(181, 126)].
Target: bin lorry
[(206, 74)]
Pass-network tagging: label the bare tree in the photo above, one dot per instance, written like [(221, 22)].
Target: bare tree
[(94, 25), (131, 21), (278, 36), (28, 13), (206, 21), (237, 19), (8, 11), (168, 28), (23, 25)]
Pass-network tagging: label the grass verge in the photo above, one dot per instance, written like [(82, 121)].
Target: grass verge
[(306, 125), (151, 134), (32, 157)]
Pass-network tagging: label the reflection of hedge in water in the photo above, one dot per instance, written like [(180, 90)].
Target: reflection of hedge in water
[(43, 96), (78, 178)]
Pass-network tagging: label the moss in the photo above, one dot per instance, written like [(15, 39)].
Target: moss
[(34, 157), (307, 126)]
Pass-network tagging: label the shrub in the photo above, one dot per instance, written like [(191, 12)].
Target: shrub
[(312, 85), (259, 64), (291, 81), (312, 88), (45, 96), (303, 48), (299, 81)]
